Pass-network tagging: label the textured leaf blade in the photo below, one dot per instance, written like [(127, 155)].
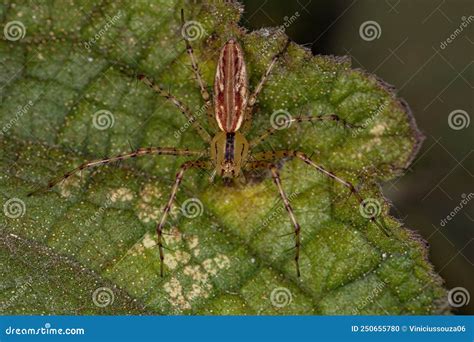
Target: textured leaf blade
[(231, 259)]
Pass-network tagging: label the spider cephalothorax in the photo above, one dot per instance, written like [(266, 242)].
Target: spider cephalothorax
[(229, 152)]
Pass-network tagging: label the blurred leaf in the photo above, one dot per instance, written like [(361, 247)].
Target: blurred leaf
[(36, 279), (97, 231)]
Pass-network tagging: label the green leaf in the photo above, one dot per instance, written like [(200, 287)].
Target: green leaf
[(98, 230)]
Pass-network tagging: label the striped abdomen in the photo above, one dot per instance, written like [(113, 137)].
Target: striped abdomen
[(230, 87)]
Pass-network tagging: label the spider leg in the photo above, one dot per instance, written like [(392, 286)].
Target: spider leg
[(300, 119), (179, 177), (137, 153), (206, 96), (258, 89), (276, 179), (181, 106), (272, 155)]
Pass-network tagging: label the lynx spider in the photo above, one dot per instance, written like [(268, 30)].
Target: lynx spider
[(229, 153)]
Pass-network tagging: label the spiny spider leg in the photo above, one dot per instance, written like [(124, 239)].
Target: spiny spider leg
[(276, 179), (258, 89), (197, 73), (305, 118), (200, 164), (204, 93), (183, 108), (272, 155), (139, 152)]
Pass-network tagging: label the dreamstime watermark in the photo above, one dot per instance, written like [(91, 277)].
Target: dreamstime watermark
[(110, 22), (281, 297), (458, 119), (369, 299), (203, 109), (21, 288), (370, 30), (14, 30), (367, 122), (462, 204), (279, 31), (281, 119), (370, 208), (22, 110), (103, 119), (192, 30), (192, 208), (465, 21), (458, 296), (46, 330), (99, 212), (14, 208), (278, 212), (103, 296)]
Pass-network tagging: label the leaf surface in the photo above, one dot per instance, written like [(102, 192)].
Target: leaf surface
[(98, 229)]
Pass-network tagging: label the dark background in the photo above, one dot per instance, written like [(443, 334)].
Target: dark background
[(434, 81)]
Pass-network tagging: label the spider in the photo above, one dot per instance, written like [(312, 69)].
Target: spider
[(229, 152)]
